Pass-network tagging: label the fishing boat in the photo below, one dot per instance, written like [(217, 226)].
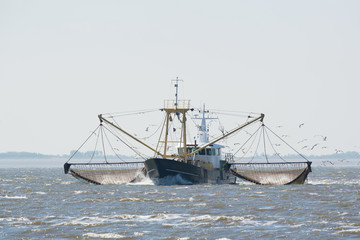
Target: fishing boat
[(198, 160)]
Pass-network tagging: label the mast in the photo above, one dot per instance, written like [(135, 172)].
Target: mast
[(177, 87), (260, 118), (203, 134), (177, 109)]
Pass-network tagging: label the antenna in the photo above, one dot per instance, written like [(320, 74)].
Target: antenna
[(177, 80)]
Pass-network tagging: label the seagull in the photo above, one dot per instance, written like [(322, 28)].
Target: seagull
[(279, 126), (302, 140), (302, 124), (337, 151), (304, 147), (328, 162), (313, 146), (147, 129), (323, 137), (277, 144)]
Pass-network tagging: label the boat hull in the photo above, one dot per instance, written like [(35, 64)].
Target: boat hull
[(168, 172)]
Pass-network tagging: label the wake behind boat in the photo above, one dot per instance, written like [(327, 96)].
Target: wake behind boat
[(179, 158)]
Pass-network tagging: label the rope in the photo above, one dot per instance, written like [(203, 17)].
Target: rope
[(287, 144), (246, 143), (116, 136), (272, 145), (255, 152), (129, 113), (102, 139), (112, 148), (263, 133), (97, 140), (92, 133)]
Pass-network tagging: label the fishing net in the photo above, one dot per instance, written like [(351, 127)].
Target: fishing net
[(106, 173), (272, 173)]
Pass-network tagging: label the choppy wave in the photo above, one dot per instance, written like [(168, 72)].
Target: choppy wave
[(55, 207)]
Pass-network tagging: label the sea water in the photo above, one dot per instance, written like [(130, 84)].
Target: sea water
[(44, 203)]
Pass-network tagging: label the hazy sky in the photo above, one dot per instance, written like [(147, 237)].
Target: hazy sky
[(64, 62)]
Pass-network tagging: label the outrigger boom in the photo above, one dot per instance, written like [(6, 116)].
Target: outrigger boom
[(128, 134)]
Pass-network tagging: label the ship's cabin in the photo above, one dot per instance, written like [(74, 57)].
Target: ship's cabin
[(210, 151), (209, 155)]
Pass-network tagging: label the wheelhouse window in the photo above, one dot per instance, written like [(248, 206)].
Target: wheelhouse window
[(217, 151)]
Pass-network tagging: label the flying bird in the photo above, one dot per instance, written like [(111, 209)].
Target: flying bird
[(313, 146), (302, 140), (328, 162), (302, 124)]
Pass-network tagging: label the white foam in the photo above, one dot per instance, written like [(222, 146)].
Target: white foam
[(209, 218), (103, 235), (356, 230), (40, 193), (84, 221), (79, 192), (66, 183), (11, 219), (13, 197)]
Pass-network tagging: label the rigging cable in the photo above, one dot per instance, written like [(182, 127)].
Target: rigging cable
[(272, 145), (288, 144), (129, 113), (92, 133), (255, 152), (133, 149), (96, 143), (247, 142), (102, 139), (263, 133), (113, 147)]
